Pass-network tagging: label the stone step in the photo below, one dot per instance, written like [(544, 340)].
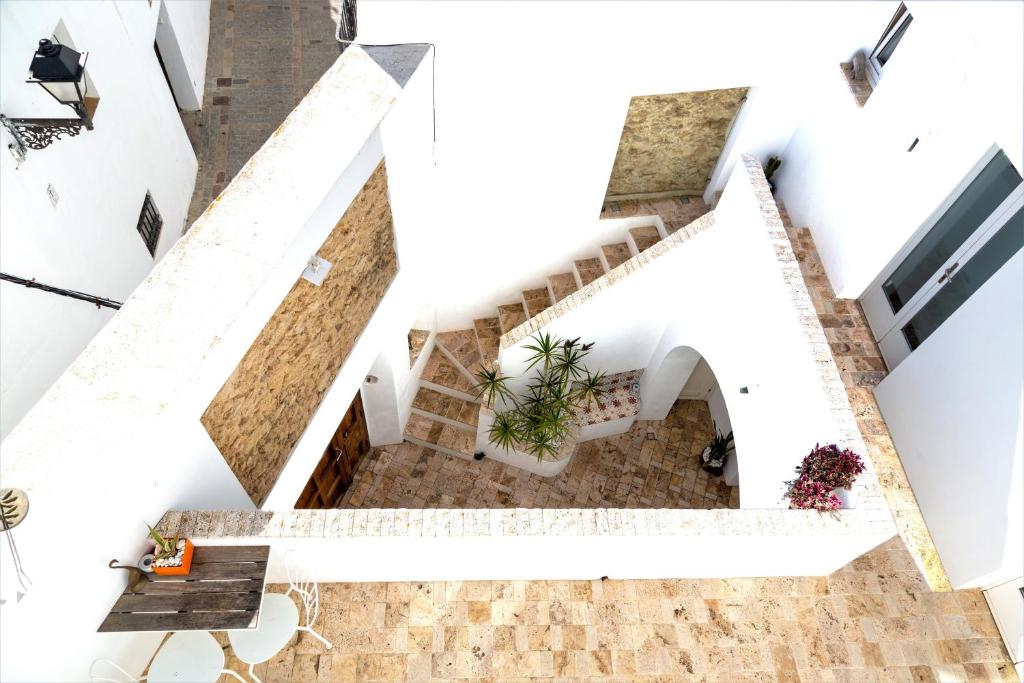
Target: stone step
[(511, 316), (488, 337), (442, 437), (614, 255), (587, 270), (446, 408), (562, 285), (536, 301), (460, 347), (417, 340), (440, 374), (644, 238)]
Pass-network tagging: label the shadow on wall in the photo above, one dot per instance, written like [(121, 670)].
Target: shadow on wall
[(685, 373)]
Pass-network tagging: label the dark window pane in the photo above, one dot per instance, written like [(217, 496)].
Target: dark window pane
[(959, 222), (149, 224), (886, 52), (966, 280)]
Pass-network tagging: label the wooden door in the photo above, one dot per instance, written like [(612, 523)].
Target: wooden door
[(333, 474)]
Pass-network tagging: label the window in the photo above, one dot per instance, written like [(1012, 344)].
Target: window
[(149, 225), (887, 44)]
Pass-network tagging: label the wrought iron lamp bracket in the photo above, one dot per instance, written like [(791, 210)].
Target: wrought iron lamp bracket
[(40, 133)]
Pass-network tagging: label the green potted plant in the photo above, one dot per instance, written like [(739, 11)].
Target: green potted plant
[(715, 454), (540, 419), (770, 168), (171, 557)]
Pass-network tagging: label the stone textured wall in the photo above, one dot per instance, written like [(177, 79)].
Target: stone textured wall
[(670, 143), (263, 408)]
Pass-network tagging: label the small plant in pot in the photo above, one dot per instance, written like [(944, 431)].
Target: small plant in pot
[(833, 468), (713, 458), (171, 557), (770, 168)]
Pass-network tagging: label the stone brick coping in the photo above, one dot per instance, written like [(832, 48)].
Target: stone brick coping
[(457, 523), (577, 298)]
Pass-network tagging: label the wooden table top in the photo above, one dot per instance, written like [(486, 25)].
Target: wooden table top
[(223, 591)]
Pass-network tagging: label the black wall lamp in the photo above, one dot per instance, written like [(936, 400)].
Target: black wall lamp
[(61, 73)]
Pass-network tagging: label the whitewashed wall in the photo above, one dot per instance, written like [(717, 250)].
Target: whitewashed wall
[(116, 441), (954, 409), (745, 327), (524, 153), (88, 241), (955, 82)]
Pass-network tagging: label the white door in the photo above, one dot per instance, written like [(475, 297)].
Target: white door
[(967, 239)]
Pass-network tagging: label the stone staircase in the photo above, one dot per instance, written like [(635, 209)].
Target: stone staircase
[(445, 411)]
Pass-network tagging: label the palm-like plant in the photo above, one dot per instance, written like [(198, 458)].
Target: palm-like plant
[(542, 416), (492, 386)]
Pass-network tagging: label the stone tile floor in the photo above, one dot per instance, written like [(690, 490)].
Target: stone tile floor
[(873, 620), (264, 57), (653, 465)]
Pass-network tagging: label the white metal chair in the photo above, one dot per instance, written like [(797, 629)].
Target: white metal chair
[(185, 656), (307, 590)]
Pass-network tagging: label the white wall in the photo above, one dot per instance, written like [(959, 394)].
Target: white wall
[(116, 440), (746, 328), (953, 407), (188, 21), (88, 241), (956, 82), (530, 110)]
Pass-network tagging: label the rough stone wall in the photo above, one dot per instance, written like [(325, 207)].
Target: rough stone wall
[(670, 143), (263, 408)]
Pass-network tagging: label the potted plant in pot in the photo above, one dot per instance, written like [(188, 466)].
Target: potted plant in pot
[(171, 557), (770, 168), (714, 455), (833, 468), (538, 420)]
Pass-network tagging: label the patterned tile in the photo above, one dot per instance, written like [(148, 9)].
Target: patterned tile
[(588, 270)]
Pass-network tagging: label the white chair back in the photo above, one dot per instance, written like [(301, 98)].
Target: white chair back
[(299, 582), (108, 671)]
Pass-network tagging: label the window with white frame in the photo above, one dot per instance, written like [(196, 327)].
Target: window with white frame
[(887, 44)]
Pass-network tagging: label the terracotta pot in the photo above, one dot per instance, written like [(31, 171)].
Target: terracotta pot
[(181, 570)]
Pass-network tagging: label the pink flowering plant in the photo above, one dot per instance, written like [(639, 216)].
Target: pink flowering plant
[(831, 466), (823, 470), (812, 495)]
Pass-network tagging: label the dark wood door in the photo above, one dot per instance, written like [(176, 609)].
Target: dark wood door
[(333, 474)]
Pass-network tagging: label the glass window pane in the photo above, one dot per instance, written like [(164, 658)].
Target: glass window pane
[(887, 49), (966, 280), (969, 211)]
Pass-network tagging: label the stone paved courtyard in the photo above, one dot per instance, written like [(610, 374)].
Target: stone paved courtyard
[(873, 620), (264, 57), (653, 465)]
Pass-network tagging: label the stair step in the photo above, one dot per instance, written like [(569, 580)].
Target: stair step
[(460, 347), (511, 316), (446, 408), (616, 254), (562, 285), (645, 237), (440, 374), (440, 436), (536, 301), (587, 270), (488, 337), (417, 340)]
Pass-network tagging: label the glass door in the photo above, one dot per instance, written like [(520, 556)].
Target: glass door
[(950, 258)]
